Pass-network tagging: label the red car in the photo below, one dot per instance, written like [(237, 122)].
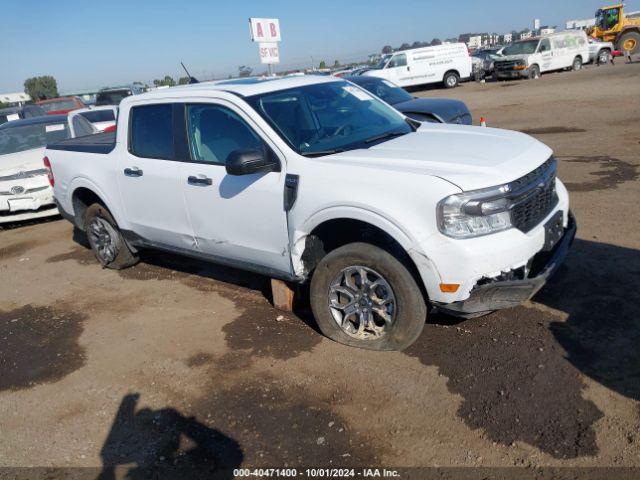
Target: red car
[(61, 105)]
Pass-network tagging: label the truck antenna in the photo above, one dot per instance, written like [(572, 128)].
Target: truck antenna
[(191, 79)]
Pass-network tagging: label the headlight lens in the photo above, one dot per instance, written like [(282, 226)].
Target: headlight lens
[(473, 214)]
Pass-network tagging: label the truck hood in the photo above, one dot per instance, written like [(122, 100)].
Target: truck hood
[(510, 58), (28, 160), (468, 157)]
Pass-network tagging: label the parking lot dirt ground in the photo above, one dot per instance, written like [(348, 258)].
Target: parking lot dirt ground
[(174, 362)]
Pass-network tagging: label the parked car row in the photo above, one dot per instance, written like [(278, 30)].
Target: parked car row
[(25, 192), (532, 57)]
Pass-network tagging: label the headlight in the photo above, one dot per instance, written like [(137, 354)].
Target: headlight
[(476, 213)]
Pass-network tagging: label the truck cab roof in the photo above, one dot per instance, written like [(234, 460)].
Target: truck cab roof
[(243, 87)]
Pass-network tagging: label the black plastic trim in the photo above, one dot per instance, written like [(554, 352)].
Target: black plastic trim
[(138, 241)]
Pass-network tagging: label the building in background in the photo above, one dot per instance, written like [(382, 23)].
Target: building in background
[(547, 30), (506, 38), (14, 99), (525, 34)]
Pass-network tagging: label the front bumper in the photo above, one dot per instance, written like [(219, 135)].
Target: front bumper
[(507, 294), (506, 74), (36, 201)]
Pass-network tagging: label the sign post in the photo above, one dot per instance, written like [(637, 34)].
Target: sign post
[(266, 32)]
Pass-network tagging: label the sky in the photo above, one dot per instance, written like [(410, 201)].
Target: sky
[(87, 44)]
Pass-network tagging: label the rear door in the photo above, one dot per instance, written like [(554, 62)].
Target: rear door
[(237, 218), (148, 176)]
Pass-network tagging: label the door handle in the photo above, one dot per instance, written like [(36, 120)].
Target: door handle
[(408, 69), (133, 172), (199, 181)]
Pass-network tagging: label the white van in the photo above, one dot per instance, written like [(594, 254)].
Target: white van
[(530, 58), (448, 63)]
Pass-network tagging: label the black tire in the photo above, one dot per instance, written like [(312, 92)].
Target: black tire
[(604, 57), (577, 64), (409, 306), (122, 256), (451, 80), (629, 36), (534, 72)]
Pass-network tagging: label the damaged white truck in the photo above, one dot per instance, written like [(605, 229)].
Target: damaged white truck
[(312, 179)]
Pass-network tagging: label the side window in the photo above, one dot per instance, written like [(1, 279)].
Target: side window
[(82, 127), (399, 60), (151, 131), (215, 131), (545, 46)]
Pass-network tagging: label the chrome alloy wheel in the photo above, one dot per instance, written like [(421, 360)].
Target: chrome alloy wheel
[(362, 303), (102, 237)]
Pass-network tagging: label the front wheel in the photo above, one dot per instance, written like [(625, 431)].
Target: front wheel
[(604, 57), (106, 240), (534, 72), (364, 297), (577, 64), (451, 80)]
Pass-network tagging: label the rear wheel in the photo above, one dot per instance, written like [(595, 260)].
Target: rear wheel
[(577, 64), (629, 42), (451, 80), (364, 297), (106, 240)]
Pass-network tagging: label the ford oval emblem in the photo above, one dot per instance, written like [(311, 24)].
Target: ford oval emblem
[(17, 190)]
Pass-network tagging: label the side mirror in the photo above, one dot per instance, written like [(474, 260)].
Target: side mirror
[(247, 161)]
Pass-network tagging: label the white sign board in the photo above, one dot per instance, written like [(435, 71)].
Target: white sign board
[(269, 52), (265, 29)]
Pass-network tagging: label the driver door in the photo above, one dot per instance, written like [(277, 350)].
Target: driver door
[(239, 218), (547, 54), (399, 71)]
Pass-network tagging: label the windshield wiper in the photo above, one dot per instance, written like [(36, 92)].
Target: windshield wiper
[(385, 136), (321, 153)]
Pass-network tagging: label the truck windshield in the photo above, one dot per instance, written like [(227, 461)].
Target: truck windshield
[(112, 97), (526, 47), (26, 137), (67, 104), (327, 118), (383, 62)]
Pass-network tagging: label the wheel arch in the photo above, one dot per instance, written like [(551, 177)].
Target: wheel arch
[(327, 231), (84, 193)]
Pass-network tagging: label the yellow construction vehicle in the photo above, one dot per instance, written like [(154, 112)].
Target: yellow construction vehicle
[(613, 26)]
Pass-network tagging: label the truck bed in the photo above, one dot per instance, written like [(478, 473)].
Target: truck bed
[(97, 143)]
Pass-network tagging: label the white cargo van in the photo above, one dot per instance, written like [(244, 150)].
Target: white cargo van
[(530, 58), (448, 63)]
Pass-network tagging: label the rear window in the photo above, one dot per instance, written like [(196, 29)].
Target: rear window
[(95, 116), (25, 137), (152, 131), (112, 97), (59, 105)]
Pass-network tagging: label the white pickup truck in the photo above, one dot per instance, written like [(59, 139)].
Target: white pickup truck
[(314, 179)]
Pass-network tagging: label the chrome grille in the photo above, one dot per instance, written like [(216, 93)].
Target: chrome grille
[(506, 64), (28, 190), (534, 196), (27, 174)]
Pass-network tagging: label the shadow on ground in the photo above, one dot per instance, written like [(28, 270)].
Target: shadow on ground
[(165, 444), (511, 367)]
